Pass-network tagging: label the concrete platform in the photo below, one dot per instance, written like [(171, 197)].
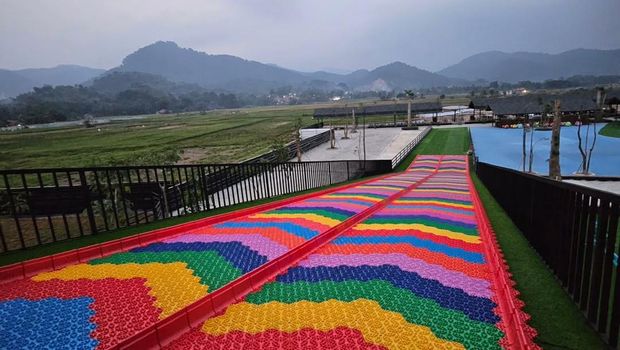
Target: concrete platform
[(381, 143), (607, 186)]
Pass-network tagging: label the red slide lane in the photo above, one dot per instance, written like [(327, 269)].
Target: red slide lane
[(519, 335)]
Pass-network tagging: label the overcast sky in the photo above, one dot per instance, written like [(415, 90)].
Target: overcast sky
[(306, 34)]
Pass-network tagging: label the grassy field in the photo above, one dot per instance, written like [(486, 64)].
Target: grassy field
[(611, 130), (224, 136), (216, 137)]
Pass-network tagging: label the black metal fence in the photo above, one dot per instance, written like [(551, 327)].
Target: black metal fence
[(575, 231), (290, 149), (39, 206)]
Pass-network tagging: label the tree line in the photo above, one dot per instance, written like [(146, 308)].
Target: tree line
[(51, 104)]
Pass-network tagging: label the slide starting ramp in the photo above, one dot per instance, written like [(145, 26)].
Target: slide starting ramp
[(403, 261)]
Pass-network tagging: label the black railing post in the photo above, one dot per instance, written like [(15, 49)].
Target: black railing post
[(14, 211), (329, 169), (89, 207), (204, 183), (2, 240), (101, 204), (608, 268), (348, 171), (32, 216)]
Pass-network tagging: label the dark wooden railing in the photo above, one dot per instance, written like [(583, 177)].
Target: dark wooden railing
[(39, 206), (575, 231)]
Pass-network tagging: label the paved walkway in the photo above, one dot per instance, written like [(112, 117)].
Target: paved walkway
[(412, 274), (381, 143)]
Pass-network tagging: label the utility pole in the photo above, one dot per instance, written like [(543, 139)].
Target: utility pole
[(409, 113), (332, 139)]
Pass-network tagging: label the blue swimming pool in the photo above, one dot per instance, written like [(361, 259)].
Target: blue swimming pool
[(503, 147)]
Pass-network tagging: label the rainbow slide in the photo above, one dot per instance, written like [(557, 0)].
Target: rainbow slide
[(404, 261)]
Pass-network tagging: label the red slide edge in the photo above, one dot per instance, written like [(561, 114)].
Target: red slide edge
[(518, 334), (193, 315), (57, 261)]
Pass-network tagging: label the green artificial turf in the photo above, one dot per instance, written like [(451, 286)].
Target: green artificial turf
[(439, 141), (611, 130)]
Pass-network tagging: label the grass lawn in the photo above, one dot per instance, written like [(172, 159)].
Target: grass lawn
[(611, 130), (440, 141), (222, 136)]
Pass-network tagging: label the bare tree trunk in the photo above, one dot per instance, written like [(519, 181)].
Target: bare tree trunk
[(584, 156), (531, 160), (591, 149), (600, 100), (554, 156), (523, 150)]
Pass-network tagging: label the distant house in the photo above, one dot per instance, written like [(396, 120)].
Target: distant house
[(13, 125)]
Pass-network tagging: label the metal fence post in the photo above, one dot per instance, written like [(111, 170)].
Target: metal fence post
[(329, 170), (89, 207), (348, 172)]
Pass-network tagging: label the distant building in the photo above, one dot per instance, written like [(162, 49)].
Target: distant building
[(578, 102), (377, 109)]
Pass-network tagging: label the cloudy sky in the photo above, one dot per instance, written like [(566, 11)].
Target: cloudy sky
[(306, 34)]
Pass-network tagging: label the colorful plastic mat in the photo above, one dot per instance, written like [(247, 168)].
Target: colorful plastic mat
[(412, 276), (106, 300)]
